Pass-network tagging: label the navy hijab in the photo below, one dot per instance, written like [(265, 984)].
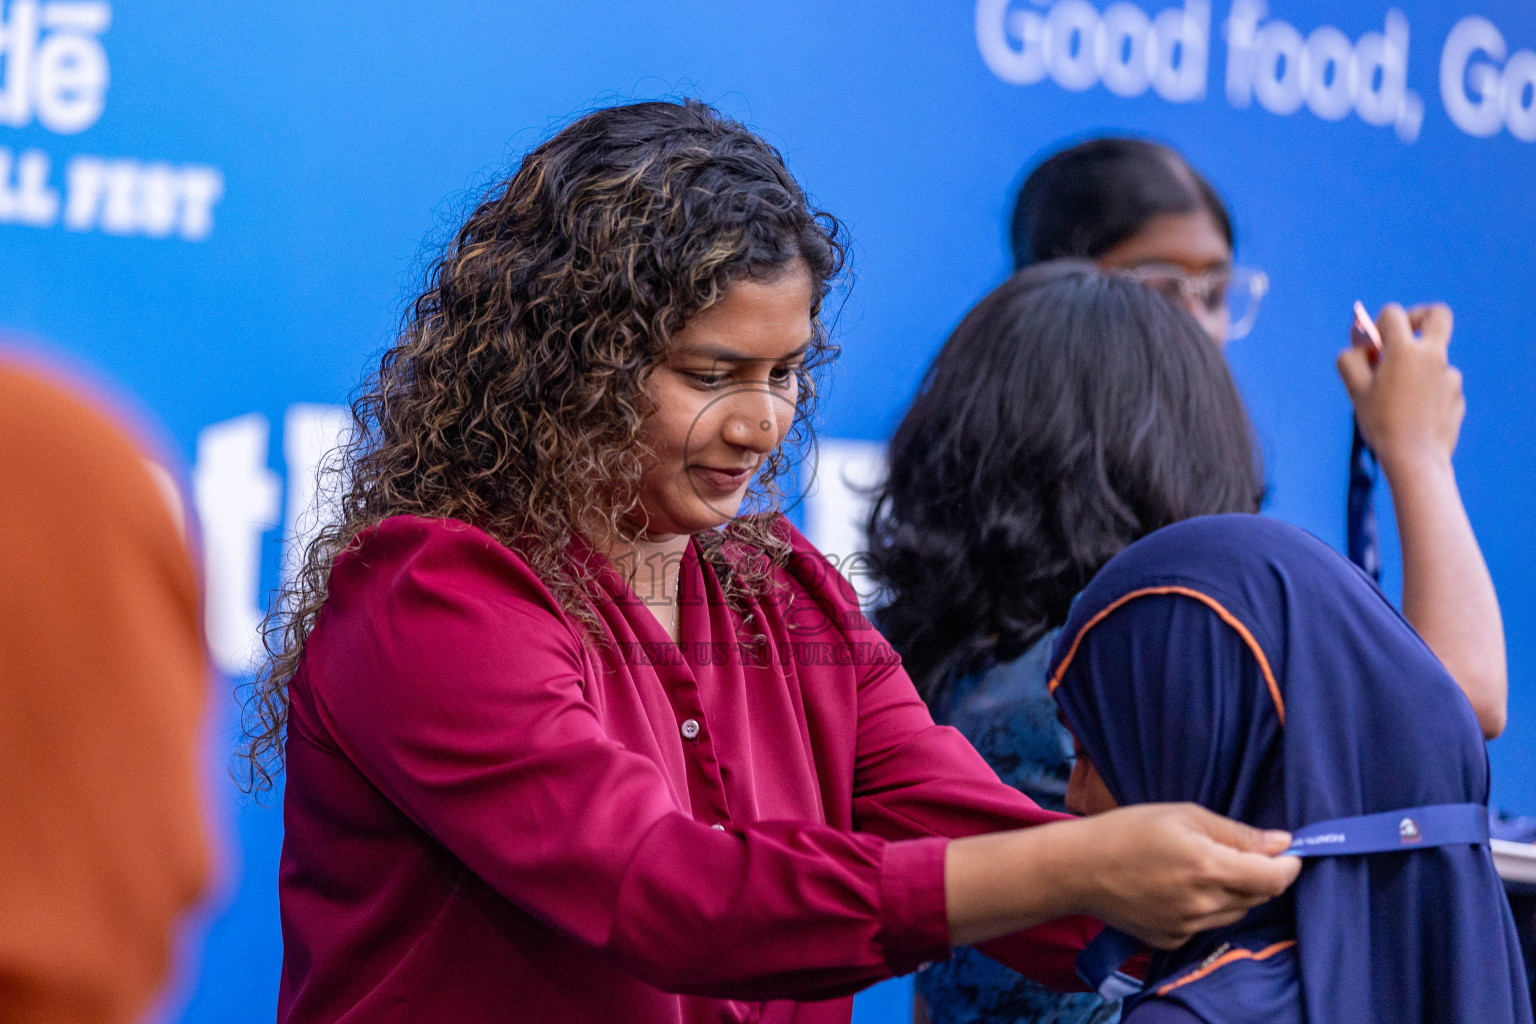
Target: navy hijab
[(1241, 664)]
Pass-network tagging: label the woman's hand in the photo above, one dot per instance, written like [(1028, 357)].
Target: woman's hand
[(1161, 872), (1409, 405), (1164, 872)]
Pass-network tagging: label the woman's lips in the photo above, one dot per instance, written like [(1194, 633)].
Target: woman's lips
[(723, 481)]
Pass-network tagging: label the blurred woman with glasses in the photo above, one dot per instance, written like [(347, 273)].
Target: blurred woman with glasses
[(1138, 208)]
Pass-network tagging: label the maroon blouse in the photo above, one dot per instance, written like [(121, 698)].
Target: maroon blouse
[(489, 819)]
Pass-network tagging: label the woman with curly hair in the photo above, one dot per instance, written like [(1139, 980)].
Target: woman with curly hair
[(569, 736)]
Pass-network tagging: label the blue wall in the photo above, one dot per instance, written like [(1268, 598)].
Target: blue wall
[(222, 206)]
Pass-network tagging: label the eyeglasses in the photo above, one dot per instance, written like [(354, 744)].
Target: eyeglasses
[(1225, 300)]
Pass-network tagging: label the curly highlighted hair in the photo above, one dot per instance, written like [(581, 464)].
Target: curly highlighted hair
[(513, 396)]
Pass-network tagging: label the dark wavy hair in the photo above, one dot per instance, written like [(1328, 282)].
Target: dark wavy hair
[(513, 397), (1070, 413), (1083, 201)]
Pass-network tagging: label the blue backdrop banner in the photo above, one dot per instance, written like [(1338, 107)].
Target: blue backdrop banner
[(221, 208)]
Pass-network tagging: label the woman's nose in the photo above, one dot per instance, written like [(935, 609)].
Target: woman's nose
[(752, 420)]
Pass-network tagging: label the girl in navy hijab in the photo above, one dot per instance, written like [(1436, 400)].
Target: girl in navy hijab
[(1239, 663)]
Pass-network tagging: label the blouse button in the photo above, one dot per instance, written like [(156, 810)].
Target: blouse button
[(718, 827), (690, 729)]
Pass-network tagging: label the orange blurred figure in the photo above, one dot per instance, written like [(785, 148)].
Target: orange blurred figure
[(103, 679)]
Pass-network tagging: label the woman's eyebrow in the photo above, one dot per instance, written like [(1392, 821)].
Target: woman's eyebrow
[(721, 354), (1221, 264)]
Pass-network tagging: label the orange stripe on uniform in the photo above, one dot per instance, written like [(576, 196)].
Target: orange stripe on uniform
[(1223, 960), (1206, 599)]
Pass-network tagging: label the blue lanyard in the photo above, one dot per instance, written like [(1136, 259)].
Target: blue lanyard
[(1360, 509), (1417, 828)]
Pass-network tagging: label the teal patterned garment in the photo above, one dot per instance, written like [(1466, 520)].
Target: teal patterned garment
[(1009, 716)]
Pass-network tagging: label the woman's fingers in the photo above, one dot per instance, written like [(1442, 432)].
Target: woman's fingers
[(1434, 323), (1238, 836), (1357, 372), (1168, 871), (1245, 861), (1395, 327)]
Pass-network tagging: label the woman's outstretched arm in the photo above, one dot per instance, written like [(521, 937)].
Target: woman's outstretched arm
[(1161, 872), (1410, 407)]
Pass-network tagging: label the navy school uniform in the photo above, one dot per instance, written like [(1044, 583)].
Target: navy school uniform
[(1241, 664)]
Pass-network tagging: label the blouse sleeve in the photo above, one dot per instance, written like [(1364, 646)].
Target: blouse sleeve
[(455, 685)]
